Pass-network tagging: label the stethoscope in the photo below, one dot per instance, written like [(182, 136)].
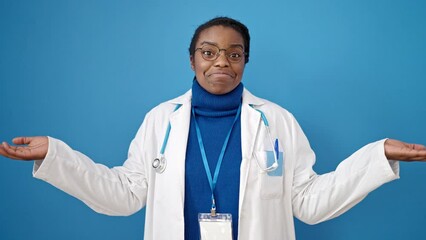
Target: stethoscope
[(159, 164), (275, 145)]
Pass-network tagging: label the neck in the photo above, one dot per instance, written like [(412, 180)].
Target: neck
[(205, 101)]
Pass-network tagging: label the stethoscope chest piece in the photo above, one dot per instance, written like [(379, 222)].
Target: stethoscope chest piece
[(159, 164)]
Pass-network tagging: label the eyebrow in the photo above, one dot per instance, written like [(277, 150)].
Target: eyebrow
[(215, 44)]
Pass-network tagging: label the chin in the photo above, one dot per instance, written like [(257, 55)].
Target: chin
[(219, 92), (220, 89), (219, 86)]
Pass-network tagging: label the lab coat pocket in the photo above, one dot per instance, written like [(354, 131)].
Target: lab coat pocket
[(271, 182)]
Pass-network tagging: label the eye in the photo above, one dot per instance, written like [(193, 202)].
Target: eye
[(207, 53), (235, 55)]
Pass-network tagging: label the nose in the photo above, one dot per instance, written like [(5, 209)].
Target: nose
[(222, 60)]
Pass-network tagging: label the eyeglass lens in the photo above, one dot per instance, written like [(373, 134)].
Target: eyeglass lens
[(211, 53)]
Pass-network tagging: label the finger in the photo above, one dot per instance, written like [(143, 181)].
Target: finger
[(419, 147), (414, 155), (15, 152), (13, 157), (6, 154), (22, 140), (9, 149), (422, 154), (417, 152), (2, 151), (411, 146)]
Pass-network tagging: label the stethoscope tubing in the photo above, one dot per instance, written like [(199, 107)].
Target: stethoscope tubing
[(159, 164)]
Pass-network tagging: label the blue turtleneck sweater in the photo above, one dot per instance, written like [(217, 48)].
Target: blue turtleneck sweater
[(215, 115)]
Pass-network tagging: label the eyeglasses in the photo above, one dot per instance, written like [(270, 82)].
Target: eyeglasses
[(211, 53)]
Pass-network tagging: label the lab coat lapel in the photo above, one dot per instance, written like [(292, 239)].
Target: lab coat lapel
[(250, 119), (179, 121)]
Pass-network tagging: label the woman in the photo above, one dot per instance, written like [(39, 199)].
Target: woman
[(217, 131)]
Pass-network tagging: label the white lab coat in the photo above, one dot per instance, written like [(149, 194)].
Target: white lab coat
[(267, 203)]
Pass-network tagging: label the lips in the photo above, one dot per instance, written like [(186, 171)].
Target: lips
[(221, 73)]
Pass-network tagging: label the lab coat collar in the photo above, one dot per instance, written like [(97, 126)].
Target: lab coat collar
[(182, 99), (248, 98)]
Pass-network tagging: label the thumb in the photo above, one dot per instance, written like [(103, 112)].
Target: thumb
[(22, 140)]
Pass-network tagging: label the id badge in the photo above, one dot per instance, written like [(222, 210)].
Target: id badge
[(218, 227)]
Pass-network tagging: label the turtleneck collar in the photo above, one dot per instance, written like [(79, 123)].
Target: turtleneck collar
[(207, 102)]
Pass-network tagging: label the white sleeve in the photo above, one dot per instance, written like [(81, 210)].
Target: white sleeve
[(317, 198), (116, 191)]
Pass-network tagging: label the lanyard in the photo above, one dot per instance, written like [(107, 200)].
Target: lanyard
[(212, 181)]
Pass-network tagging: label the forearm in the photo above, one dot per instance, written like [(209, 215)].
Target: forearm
[(109, 191), (326, 196)]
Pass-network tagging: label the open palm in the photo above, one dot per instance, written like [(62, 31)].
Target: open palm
[(397, 150), (28, 148)]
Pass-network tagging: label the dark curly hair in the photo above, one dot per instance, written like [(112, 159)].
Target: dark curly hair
[(226, 22)]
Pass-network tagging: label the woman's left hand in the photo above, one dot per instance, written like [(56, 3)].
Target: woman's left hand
[(397, 150)]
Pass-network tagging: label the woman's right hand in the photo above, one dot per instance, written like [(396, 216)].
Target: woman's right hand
[(27, 148)]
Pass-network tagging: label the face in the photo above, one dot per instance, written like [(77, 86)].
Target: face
[(219, 76)]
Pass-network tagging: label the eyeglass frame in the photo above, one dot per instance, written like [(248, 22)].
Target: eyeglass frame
[(220, 50)]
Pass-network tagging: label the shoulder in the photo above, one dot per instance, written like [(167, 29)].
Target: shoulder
[(158, 117), (280, 119), (267, 107), (165, 108)]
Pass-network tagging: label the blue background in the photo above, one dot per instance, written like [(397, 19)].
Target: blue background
[(86, 72)]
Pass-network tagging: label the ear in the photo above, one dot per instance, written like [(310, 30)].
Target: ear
[(191, 59)]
